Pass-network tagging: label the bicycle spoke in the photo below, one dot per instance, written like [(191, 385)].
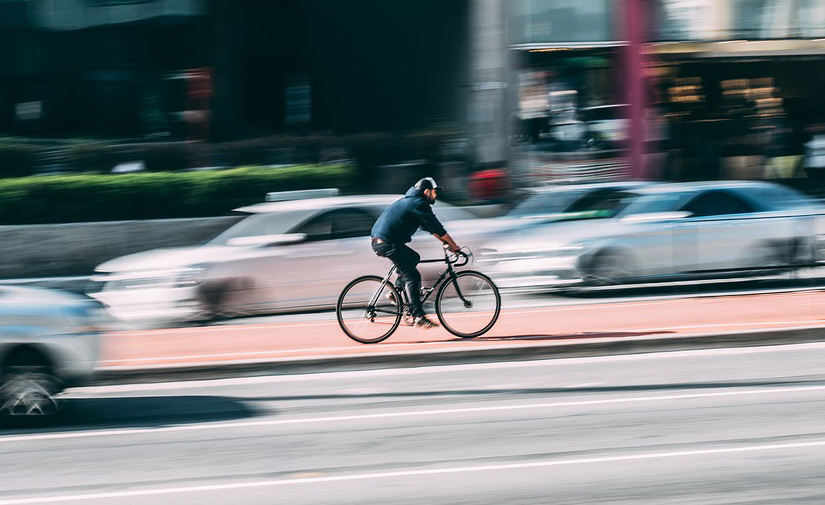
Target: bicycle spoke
[(469, 305), (365, 311)]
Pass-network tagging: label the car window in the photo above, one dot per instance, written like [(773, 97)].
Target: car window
[(657, 202), (352, 223), (774, 197), (717, 203), (256, 225), (606, 113), (337, 224)]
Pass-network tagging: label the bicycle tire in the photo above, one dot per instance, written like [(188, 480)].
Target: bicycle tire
[(361, 323), (461, 320)]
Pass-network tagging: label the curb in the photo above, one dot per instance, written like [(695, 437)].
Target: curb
[(406, 359)]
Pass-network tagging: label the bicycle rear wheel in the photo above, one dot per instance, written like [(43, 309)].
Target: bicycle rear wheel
[(468, 305), (368, 309)]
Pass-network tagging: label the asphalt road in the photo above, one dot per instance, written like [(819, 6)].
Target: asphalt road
[(699, 427)]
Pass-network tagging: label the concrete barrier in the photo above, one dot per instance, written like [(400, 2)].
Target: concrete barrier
[(76, 248)]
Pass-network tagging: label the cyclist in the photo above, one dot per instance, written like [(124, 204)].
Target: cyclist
[(394, 229)]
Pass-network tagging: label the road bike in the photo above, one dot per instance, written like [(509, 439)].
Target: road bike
[(467, 302)]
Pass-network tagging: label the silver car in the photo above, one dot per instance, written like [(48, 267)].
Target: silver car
[(546, 204), (49, 340), (284, 255), (667, 232)]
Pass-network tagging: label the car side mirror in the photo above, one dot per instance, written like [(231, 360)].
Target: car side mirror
[(268, 240), (656, 216)]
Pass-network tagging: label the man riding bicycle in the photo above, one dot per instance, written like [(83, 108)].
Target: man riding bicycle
[(395, 228)]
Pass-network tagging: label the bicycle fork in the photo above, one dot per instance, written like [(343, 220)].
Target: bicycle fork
[(468, 304), (370, 313)]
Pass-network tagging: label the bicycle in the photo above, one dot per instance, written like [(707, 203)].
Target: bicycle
[(467, 303)]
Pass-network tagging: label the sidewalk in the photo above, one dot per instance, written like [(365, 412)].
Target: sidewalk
[(552, 332)]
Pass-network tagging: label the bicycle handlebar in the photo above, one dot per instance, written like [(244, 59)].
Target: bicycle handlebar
[(456, 257)]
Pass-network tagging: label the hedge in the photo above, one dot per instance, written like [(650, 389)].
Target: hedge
[(82, 198), (20, 157)]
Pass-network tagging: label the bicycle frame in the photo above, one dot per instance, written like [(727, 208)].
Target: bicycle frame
[(388, 314), (448, 273)]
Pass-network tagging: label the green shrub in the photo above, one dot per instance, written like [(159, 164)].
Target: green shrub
[(81, 198)]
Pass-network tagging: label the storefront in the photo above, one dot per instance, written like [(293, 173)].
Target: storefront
[(730, 116), (569, 117), (740, 83), (729, 88)]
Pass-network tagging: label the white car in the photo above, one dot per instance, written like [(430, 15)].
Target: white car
[(283, 256), (667, 232), (545, 204), (49, 340)]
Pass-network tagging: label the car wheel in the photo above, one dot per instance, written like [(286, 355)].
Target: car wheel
[(609, 268), (769, 260), (28, 393), (223, 299)]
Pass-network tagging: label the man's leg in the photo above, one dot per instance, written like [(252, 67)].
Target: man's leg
[(406, 260)]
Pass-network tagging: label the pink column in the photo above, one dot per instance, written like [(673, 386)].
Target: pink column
[(634, 16)]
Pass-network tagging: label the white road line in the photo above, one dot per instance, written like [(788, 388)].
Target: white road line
[(389, 415), (411, 473), (273, 379)]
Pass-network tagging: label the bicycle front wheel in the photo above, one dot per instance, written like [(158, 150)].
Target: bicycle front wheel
[(369, 309), (468, 305)]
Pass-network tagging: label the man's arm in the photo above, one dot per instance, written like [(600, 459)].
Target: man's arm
[(448, 240)]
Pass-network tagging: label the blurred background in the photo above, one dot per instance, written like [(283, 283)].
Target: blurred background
[(491, 97), (635, 175), (540, 90)]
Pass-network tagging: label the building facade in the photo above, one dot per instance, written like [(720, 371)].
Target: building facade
[(167, 68), (717, 88)]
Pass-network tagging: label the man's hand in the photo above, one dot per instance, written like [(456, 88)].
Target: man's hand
[(452, 248), (449, 243)]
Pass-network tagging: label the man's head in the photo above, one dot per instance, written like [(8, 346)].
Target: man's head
[(429, 188)]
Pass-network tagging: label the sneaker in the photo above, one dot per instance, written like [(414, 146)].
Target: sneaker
[(391, 297), (424, 323)]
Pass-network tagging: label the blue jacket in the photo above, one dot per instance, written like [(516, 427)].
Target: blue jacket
[(401, 219)]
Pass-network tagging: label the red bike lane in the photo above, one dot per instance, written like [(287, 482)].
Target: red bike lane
[(549, 326)]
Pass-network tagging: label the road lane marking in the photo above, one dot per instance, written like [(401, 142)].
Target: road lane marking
[(389, 415), (298, 480), (271, 379)]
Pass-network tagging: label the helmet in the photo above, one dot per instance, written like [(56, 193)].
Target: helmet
[(427, 183)]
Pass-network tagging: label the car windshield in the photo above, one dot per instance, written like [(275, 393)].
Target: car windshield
[(605, 113), (658, 202), (600, 205), (546, 202), (592, 204), (256, 225)]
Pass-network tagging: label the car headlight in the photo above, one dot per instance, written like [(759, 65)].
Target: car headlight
[(153, 279), (190, 277)]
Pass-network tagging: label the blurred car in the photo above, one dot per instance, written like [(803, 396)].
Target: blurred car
[(602, 127), (606, 126), (295, 254), (49, 340), (548, 204), (669, 232)]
